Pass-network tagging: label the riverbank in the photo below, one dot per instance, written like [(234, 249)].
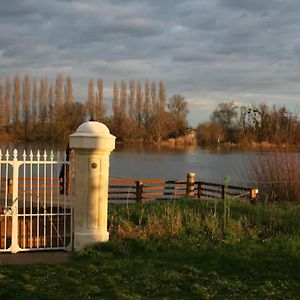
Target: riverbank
[(176, 250)]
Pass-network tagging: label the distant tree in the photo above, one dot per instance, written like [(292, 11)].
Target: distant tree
[(131, 99), (7, 104), (58, 99), (101, 108), (116, 101), (139, 103), (34, 109), (154, 98), (226, 116), (147, 108), (26, 105), (17, 97), (51, 102), (69, 93), (178, 108), (123, 104), (43, 100), (91, 100), (1, 106), (162, 96)]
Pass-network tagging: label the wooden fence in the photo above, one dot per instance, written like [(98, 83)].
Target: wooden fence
[(132, 190)]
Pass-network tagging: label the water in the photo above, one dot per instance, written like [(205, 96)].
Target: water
[(209, 164)]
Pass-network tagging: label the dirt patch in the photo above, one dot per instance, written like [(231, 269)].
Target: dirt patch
[(45, 257)]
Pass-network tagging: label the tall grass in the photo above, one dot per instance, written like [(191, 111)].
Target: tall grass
[(277, 176), (187, 219)]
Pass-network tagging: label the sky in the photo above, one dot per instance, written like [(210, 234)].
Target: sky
[(209, 51)]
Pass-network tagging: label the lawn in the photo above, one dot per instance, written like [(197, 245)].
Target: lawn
[(188, 249)]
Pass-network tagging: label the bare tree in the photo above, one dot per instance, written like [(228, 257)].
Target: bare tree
[(7, 104), (101, 108), (26, 104), (1, 106), (139, 103), (50, 102), (17, 96), (162, 97), (69, 92), (35, 101), (43, 100), (58, 98), (154, 98), (116, 101), (123, 104), (131, 99), (91, 100), (147, 102)]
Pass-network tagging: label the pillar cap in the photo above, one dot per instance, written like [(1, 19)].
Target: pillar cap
[(92, 135)]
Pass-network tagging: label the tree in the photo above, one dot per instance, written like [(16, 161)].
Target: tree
[(131, 99), (43, 100), (147, 109), (116, 101), (162, 96), (26, 105), (69, 93), (139, 103), (1, 106), (123, 104), (50, 102), (226, 115), (17, 96), (154, 98), (58, 99), (34, 101), (7, 104), (91, 100), (178, 108), (101, 108)]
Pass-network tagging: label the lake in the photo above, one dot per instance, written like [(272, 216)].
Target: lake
[(209, 164)]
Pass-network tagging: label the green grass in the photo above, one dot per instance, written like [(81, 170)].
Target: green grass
[(176, 250)]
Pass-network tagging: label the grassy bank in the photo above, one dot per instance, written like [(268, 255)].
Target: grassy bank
[(177, 250)]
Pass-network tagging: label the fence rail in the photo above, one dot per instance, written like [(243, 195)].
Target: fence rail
[(144, 190)]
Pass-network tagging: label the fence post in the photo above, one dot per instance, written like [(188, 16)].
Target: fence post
[(253, 195), (199, 190), (223, 192), (92, 144), (139, 192), (190, 184)]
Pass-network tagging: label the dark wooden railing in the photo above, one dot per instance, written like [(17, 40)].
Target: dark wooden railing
[(132, 190)]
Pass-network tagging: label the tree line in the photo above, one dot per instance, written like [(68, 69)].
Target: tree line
[(231, 123), (41, 110)]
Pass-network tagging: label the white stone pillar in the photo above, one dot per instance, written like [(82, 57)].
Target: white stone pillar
[(92, 143)]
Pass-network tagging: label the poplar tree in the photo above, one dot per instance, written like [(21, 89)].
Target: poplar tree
[(147, 102), (16, 97), (43, 100), (139, 103), (26, 104), (69, 92), (50, 102), (123, 104), (131, 99), (91, 100), (1, 106), (115, 105), (58, 98), (7, 104), (101, 108), (35, 101), (154, 98), (162, 97)]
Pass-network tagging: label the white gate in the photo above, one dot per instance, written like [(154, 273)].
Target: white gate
[(36, 211)]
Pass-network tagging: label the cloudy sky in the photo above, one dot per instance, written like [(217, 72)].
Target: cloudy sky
[(207, 50)]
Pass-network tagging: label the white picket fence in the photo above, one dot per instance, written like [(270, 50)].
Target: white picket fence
[(36, 210)]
